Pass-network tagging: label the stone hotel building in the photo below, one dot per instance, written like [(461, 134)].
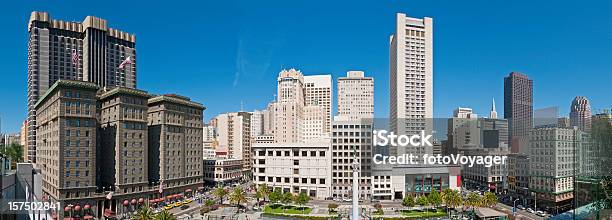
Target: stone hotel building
[(94, 143)]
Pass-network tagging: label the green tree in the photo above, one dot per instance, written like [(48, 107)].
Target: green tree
[(165, 215), (287, 198), (408, 201), (144, 213), (301, 200), (489, 199), (422, 201), (220, 193), (434, 198), (238, 196), (13, 151), (276, 195), (209, 202)]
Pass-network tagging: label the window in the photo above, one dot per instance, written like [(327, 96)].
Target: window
[(296, 162), (296, 171)]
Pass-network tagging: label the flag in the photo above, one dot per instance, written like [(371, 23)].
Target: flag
[(161, 186), (109, 196), (75, 57), (127, 60)]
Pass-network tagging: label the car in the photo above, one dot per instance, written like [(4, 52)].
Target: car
[(540, 213), (168, 207), (177, 204), (530, 210), (187, 201), (184, 207), (521, 207)]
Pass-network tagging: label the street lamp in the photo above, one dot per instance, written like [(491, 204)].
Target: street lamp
[(514, 206)]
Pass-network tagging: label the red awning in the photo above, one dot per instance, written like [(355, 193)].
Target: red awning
[(201, 187), (188, 190), (109, 213), (88, 217)]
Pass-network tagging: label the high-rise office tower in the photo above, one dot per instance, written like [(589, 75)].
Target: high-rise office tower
[(289, 107), (87, 51), (356, 96), (318, 92), (580, 113), (411, 79), (518, 109)]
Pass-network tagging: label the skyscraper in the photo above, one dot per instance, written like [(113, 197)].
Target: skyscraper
[(87, 51), (234, 135), (580, 113), (318, 92), (356, 96), (493, 113), (518, 109), (411, 79), (289, 107)]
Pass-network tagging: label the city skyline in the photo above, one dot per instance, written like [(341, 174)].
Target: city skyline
[(245, 64)]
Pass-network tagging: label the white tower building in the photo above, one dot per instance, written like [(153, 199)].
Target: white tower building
[(411, 79)]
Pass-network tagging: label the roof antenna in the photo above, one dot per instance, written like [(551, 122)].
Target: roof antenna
[(241, 106)]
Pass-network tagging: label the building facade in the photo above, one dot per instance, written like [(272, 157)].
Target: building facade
[(553, 167), (233, 133), (580, 113), (175, 142), (222, 171), (87, 51), (123, 152), (67, 141), (411, 80), (518, 109), (294, 167), (351, 142), (356, 96), (318, 92), (289, 107)]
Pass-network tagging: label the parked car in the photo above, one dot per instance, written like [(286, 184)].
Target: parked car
[(530, 210), (184, 207), (521, 207)]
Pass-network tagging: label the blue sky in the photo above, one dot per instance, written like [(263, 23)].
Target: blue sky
[(224, 52)]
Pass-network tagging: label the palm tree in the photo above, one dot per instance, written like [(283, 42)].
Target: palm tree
[(489, 199), (238, 196), (472, 200), (452, 198), (144, 213), (262, 192), (165, 215), (220, 193)]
